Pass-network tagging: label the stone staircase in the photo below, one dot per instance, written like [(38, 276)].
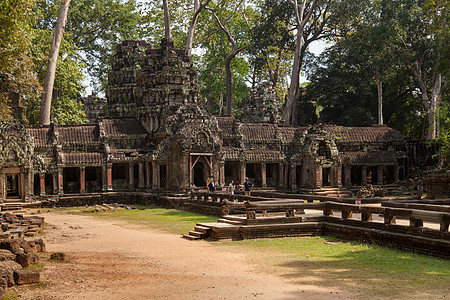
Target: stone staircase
[(329, 192), (201, 231), (12, 206)]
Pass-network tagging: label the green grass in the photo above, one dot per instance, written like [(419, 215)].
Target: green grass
[(368, 271), (167, 220)]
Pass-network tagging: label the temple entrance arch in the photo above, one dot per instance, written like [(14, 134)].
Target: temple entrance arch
[(200, 168)]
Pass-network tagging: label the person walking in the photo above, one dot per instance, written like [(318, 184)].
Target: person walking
[(248, 186), (212, 186), (231, 188)]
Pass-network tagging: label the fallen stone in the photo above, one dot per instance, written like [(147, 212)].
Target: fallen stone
[(12, 245), (40, 245), (25, 259), (3, 287), (58, 256), (26, 277), (26, 247), (7, 269), (6, 255)]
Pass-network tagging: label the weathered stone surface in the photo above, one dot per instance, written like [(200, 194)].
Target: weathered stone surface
[(40, 245), (26, 277), (58, 256), (7, 269), (12, 245), (25, 259), (6, 255), (3, 287)]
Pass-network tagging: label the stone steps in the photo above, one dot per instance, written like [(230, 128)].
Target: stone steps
[(201, 231)]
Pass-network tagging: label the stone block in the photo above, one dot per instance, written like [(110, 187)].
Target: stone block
[(25, 259), (3, 287), (6, 255), (40, 245), (26, 277), (7, 269), (26, 247), (58, 256), (12, 245)]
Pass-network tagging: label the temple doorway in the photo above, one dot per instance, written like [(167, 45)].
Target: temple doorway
[(200, 175), (200, 169), (12, 186)]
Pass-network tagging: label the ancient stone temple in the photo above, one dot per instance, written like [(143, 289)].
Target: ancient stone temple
[(155, 136)]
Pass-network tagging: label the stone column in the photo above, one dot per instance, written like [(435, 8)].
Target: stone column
[(42, 184), (364, 175), (380, 175), (304, 174), (2, 186), (222, 173), (55, 183), (243, 166), (281, 175), (82, 179), (318, 174), (131, 176), (286, 175), (109, 185), (263, 174), (141, 175), (155, 181), (339, 175), (396, 173), (167, 176), (147, 174), (347, 175), (293, 176), (60, 181)]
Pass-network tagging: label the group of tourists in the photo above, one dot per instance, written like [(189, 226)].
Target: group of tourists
[(234, 188)]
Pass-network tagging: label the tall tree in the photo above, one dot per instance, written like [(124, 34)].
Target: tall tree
[(235, 49), (198, 7), (44, 118)]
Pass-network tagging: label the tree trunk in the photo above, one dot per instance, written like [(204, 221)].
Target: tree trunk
[(295, 76), (190, 38), (168, 33), (380, 97), (46, 103), (229, 79)]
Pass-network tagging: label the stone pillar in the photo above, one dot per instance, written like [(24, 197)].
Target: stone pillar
[(286, 175), (364, 175), (243, 166), (304, 174), (42, 184), (167, 176), (131, 176), (318, 174), (339, 175), (2, 186), (147, 174), (281, 174), (347, 175), (263, 175), (141, 175), (109, 183), (222, 173), (60, 181), (82, 179), (155, 181), (380, 175), (293, 176), (396, 173), (55, 183)]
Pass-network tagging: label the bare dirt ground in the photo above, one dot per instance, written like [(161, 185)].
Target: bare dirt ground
[(114, 260)]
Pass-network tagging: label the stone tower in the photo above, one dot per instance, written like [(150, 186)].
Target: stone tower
[(263, 106), (148, 83)]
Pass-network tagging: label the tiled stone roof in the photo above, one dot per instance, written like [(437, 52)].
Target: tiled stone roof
[(123, 154), (40, 135), (258, 131), (78, 133), (381, 157), (254, 155), (226, 124), (123, 126), (82, 158), (262, 155), (380, 134)]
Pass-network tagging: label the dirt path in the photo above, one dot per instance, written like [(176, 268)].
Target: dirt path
[(114, 260)]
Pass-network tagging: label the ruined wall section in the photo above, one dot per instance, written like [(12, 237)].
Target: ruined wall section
[(149, 84), (263, 106)]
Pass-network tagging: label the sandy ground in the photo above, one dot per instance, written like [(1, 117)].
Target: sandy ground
[(114, 260)]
